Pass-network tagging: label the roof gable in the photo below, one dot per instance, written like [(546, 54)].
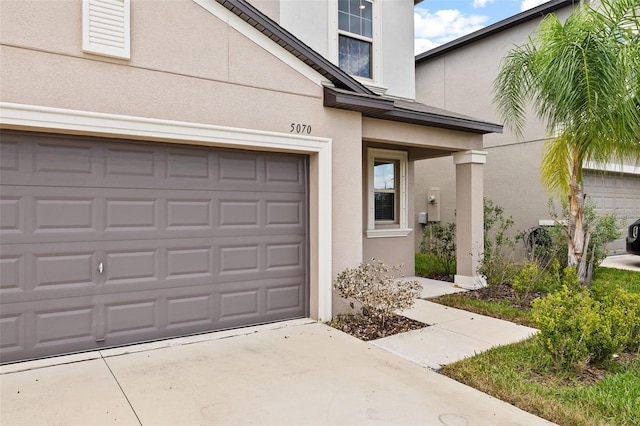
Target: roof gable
[(348, 93)]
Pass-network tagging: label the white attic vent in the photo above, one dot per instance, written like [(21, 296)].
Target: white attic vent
[(106, 27)]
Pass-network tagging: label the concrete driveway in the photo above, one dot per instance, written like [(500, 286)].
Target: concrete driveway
[(296, 372), (629, 262)]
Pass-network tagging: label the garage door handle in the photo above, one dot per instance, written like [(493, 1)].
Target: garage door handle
[(100, 267)]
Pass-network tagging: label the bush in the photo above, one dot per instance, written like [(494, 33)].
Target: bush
[(496, 263), (621, 312), (375, 286), (439, 241), (567, 319), (430, 266), (577, 327), (525, 281)]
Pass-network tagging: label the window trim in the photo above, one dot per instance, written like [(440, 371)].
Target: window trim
[(381, 229)]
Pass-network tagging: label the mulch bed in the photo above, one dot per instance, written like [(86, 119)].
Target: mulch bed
[(502, 293), (365, 328)]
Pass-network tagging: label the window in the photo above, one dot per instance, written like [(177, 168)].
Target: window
[(385, 190), (387, 193), (355, 37)]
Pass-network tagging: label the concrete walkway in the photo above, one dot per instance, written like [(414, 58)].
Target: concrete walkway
[(630, 262), (295, 372), (454, 334)]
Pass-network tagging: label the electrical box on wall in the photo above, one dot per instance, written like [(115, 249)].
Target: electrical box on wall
[(433, 204), (422, 218)]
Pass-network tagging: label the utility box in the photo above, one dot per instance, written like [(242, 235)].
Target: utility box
[(422, 218), (433, 204)]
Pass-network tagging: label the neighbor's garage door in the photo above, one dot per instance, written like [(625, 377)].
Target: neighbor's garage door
[(615, 192), (107, 242)]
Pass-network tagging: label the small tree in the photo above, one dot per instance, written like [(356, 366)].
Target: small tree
[(582, 80), (602, 230)]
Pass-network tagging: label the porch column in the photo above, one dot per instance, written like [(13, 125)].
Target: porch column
[(469, 217)]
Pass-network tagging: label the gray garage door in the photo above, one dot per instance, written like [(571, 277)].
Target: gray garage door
[(615, 192), (105, 243)]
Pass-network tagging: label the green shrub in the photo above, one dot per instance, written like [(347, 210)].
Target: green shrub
[(496, 263), (621, 312), (439, 241), (566, 320), (430, 266), (576, 328), (525, 281), (376, 287)]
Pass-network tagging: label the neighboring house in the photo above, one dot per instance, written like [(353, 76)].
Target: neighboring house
[(459, 76), (175, 167)]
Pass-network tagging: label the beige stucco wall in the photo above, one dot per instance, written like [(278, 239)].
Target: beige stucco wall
[(186, 65), (418, 142), (316, 24), (462, 81)]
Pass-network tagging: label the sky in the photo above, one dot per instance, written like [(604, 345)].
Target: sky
[(438, 21)]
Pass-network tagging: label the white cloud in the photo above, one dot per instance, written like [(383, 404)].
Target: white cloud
[(434, 29), (481, 3), (530, 4)]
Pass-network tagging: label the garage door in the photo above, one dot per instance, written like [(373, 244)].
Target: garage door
[(106, 243), (615, 192)]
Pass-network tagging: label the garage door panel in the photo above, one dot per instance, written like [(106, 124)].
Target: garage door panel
[(618, 193), (133, 317), (274, 299), (35, 329), (78, 214), (189, 311), (12, 212), (110, 242), (42, 271)]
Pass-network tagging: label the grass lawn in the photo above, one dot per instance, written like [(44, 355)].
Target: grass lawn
[(520, 373), (517, 374)]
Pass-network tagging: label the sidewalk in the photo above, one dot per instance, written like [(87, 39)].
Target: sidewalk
[(453, 334)]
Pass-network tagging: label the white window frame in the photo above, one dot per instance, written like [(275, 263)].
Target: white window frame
[(106, 28), (401, 228), (376, 42)]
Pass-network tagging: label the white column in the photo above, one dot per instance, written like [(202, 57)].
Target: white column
[(469, 217)]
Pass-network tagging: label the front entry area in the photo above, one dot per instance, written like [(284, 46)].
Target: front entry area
[(110, 242)]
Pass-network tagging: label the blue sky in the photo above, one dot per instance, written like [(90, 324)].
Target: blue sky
[(437, 21)]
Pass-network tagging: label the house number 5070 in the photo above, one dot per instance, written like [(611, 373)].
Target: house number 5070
[(300, 128)]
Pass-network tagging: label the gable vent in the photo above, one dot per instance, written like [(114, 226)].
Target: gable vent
[(106, 27)]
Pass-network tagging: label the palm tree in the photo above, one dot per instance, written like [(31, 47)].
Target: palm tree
[(582, 79)]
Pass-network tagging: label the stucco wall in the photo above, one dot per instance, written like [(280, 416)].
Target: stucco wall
[(314, 23), (462, 81), (186, 65)]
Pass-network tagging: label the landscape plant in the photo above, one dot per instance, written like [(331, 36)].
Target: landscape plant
[(378, 288), (578, 326), (581, 79), (583, 366), (603, 230), (439, 241), (497, 259)]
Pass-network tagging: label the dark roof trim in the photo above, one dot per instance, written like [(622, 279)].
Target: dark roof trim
[(388, 109), (527, 15), (275, 32)]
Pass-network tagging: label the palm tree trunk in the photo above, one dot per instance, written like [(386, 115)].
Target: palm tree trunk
[(576, 247)]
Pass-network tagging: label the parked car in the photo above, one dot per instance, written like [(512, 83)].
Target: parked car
[(633, 238)]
